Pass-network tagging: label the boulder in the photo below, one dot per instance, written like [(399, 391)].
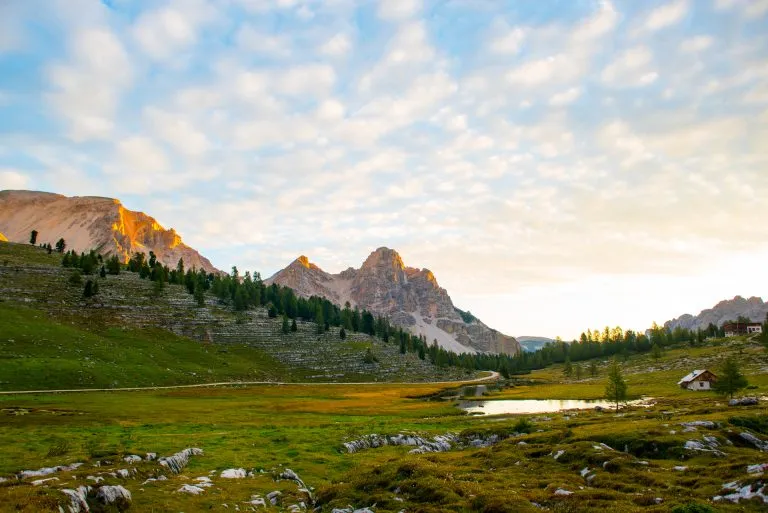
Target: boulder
[(178, 461), (114, 496), (133, 458), (191, 489), (752, 439), (78, 499), (274, 497), (233, 473), (743, 401)]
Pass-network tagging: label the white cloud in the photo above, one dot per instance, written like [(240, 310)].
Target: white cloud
[(395, 10), (164, 32), (509, 42), (565, 97), (331, 110), (14, 179), (598, 25), (696, 44), (666, 15), (177, 131), (632, 68), (748, 8), (140, 155), (254, 41), (339, 44), (554, 69), (87, 88)]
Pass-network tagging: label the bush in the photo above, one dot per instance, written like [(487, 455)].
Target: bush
[(523, 425), (75, 278)]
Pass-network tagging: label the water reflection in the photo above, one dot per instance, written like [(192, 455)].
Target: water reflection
[(534, 405)]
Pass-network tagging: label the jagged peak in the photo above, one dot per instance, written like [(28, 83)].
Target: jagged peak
[(385, 256)]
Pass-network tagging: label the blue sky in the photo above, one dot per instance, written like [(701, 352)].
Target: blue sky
[(559, 165)]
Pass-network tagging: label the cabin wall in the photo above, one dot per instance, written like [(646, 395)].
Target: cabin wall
[(699, 385)]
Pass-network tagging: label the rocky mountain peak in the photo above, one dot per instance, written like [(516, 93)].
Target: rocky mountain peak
[(93, 222), (729, 309), (408, 296)]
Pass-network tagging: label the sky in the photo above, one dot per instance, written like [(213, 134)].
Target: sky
[(558, 164)]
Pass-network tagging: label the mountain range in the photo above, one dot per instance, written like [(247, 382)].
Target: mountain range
[(409, 297), (753, 308), (89, 222)]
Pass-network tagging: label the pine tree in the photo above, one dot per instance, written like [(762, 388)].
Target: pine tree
[(88, 290), (61, 246), (593, 368), (616, 389), (33, 237), (286, 328), (76, 278), (342, 333), (730, 380), (655, 351), (103, 272), (567, 367), (578, 371), (199, 295), (294, 328)]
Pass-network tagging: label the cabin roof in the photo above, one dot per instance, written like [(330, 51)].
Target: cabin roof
[(693, 375)]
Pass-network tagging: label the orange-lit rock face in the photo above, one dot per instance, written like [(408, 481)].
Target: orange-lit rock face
[(410, 297), (88, 223)]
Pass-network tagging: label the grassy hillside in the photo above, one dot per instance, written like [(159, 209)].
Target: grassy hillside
[(130, 336)]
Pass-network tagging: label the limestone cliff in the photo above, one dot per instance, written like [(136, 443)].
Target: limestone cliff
[(409, 297), (88, 222), (728, 310)]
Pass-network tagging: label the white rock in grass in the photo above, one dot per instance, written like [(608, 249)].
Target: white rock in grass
[(757, 469), (192, 489), (558, 454), (133, 458), (680, 468), (562, 492), (179, 460), (233, 473), (113, 495), (39, 482), (78, 502)]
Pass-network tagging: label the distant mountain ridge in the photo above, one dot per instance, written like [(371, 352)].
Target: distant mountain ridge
[(753, 308), (532, 344), (409, 297), (89, 222)]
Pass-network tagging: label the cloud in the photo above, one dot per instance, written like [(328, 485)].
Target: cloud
[(339, 44), (509, 42), (397, 10), (164, 32), (565, 97), (632, 68), (177, 131), (140, 155), (602, 22), (666, 15), (696, 44), (749, 8), (14, 179), (252, 40), (87, 88)]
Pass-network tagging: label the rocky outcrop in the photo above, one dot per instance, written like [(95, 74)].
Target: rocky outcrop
[(88, 222), (753, 308), (409, 297)]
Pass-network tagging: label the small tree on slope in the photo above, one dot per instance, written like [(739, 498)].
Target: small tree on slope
[(616, 389), (731, 380)]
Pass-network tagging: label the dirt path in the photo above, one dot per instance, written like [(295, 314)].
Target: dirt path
[(492, 377)]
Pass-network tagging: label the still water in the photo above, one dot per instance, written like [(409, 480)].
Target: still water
[(533, 406)]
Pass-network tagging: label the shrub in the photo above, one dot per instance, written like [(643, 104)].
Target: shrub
[(75, 278), (523, 425)]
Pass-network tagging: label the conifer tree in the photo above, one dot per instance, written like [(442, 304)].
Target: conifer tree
[(61, 245), (342, 333), (616, 389), (199, 295), (294, 328), (285, 327), (33, 237), (730, 380)]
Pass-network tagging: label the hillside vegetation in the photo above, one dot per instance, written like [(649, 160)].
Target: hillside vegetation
[(129, 334)]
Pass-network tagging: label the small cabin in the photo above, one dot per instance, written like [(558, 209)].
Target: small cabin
[(698, 380), (734, 329)]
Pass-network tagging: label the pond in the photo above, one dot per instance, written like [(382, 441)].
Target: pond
[(536, 405)]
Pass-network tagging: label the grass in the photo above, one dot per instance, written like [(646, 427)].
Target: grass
[(51, 341), (37, 352)]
